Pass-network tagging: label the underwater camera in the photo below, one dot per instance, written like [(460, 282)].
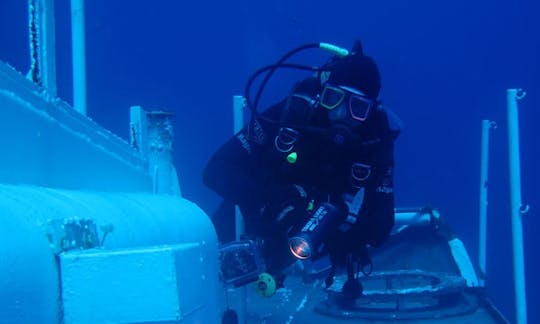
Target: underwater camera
[(240, 263)]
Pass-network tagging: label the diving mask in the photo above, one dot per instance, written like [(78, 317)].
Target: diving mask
[(359, 105)]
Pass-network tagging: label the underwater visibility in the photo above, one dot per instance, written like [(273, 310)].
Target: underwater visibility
[(247, 163)]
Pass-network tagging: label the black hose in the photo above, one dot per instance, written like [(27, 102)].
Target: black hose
[(252, 105), (280, 61)]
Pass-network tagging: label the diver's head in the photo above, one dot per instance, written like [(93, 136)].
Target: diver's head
[(350, 92)]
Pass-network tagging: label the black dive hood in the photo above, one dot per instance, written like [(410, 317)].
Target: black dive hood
[(252, 104)]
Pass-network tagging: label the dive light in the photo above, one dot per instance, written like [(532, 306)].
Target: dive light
[(307, 242)]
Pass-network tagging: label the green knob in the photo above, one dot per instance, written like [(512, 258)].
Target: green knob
[(291, 158)]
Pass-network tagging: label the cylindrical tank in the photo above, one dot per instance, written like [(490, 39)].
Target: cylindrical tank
[(29, 285)]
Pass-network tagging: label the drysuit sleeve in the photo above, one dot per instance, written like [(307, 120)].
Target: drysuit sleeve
[(230, 172), (371, 221), (238, 170), (376, 217), (243, 170)]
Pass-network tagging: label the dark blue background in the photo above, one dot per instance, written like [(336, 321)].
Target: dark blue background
[(445, 67)]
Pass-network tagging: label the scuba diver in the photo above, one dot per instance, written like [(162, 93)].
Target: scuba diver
[(313, 173)]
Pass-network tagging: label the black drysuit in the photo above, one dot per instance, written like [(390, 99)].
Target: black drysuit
[(251, 170)]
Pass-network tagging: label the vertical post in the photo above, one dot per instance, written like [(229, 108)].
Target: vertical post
[(79, 55), (517, 209), (152, 135), (239, 103), (160, 153), (484, 164), (43, 44)]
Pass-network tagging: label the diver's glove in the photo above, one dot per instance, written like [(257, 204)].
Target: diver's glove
[(287, 205)]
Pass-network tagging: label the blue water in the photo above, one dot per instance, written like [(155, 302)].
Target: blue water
[(445, 67)]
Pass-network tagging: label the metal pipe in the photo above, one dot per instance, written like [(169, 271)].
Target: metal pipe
[(517, 209), (78, 48), (484, 159), (239, 103)]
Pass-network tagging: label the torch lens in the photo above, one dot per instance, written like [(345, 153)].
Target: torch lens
[(300, 247)]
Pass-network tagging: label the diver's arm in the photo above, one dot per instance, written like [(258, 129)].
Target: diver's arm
[(375, 217), (239, 170), (379, 216), (231, 172)]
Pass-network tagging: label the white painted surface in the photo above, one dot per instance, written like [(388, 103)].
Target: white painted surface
[(136, 285), (29, 286), (46, 143)]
